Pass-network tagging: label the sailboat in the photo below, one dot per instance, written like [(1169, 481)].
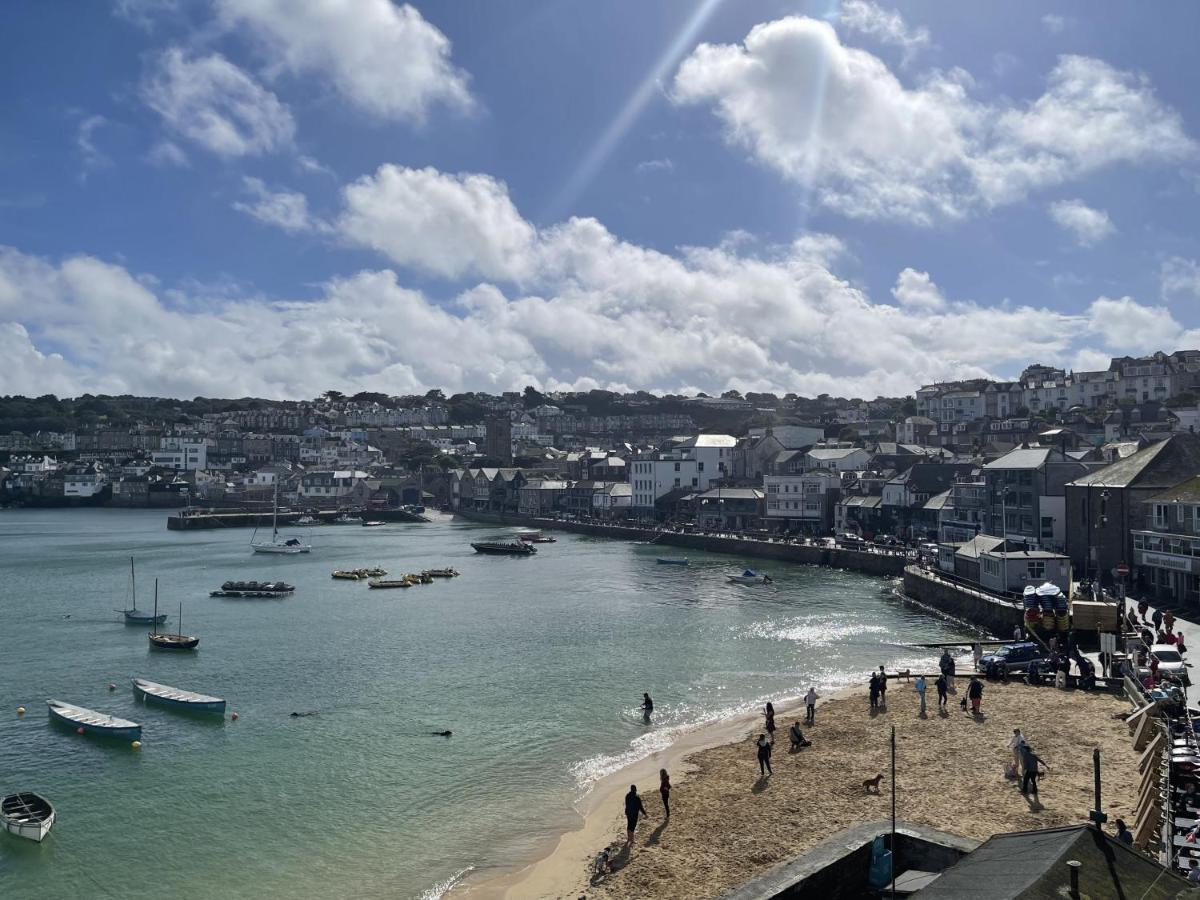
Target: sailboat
[(276, 544), (133, 615), (164, 641)]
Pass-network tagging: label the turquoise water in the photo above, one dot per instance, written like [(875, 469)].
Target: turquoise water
[(537, 665)]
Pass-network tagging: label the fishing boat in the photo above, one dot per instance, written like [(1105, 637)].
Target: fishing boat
[(164, 641), (277, 544), (749, 576), (133, 615), (176, 697), (308, 520), (93, 722), (504, 548), (28, 816), (373, 524), (441, 573), (672, 561), (347, 519), (395, 583), (253, 589), (345, 574)]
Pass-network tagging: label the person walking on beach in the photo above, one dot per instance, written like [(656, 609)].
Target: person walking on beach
[(873, 690), (1030, 762), (770, 723), (975, 694), (941, 689), (920, 689), (977, 654), (764, 756), (664, 789), (810, 706), (633, 809), (1124, 835), (1016, 744)]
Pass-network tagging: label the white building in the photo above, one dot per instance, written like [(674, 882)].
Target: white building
[(613, 499), (840, 459), (84, 484), (181, 454), (805, 500), (331, 485), (695, 463)]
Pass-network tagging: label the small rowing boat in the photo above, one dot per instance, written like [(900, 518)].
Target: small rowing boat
[(672, 561), (93, 722), (750, 577), (380, 583), (177, 697), (27, 816)]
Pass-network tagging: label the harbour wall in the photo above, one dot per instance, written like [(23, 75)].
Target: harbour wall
[(981, 609), (194, 520), (869, 563)]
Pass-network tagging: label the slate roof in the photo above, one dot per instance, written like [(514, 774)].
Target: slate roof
[(1022, 458), (1160, 465), (1185, 492)]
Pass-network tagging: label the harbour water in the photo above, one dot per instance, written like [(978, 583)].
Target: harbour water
[(537, 665)]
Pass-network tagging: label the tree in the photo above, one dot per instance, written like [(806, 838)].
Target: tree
[(435, 395), (334, 396), (908, 407), (533, 397)]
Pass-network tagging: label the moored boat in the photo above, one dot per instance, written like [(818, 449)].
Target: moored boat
[(504, 548), (133, 615), (27, 815), (672, 561), (395, 583), (165, 641), (93, 722), (749, 576), (373, 524), (536, 537), (276, 544), (253, 589), (177, 697), (441, 573), (345, 574)]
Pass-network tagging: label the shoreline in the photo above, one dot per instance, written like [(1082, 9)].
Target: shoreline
[(557, 870)]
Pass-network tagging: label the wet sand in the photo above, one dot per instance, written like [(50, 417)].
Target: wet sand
[(728, 824)]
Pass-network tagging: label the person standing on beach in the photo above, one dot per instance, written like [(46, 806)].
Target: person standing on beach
[(1030, 762), (977, 653), (1124, 835), (941, 689), (810, 706), (770, 723), (975, 694), (920, 689), (633, 809), (873, 690), (664, 788), (882, 687), (1016, 744), (764, 756)]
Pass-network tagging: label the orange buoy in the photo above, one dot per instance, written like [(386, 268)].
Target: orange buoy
[(80, 730), (233, 716)]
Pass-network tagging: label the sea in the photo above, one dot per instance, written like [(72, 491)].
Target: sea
[(536, 664)]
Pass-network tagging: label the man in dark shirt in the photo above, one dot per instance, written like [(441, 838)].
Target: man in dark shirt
[(633, 809)]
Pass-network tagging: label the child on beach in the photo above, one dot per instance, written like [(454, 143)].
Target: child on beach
[(810, 706)]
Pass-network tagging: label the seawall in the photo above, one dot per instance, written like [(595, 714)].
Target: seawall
[(981, 609), (869, 563)]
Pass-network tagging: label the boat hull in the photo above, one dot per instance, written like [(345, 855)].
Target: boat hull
[(27, 816), (671, 562), (93, 722), (187, 700), (280, 550), (173, 641), (145, 619), (505, 549)]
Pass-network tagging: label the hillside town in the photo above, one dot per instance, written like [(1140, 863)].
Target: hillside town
[(1058, 475)]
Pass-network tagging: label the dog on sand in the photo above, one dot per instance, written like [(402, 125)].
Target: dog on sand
[(872, 784)]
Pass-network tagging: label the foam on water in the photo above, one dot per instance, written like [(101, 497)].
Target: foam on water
[(439, 890)]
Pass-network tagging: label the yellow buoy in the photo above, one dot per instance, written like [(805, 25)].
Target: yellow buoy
[(136, 745), (20, 710)]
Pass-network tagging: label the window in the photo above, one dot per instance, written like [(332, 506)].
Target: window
[(1160, 515), (677, 469), (676, 482), (1037, 570), (700, 466), (1047, 526)]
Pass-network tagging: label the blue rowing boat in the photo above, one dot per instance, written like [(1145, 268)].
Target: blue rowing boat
[(672, 561), (177, 697), (93, 722)]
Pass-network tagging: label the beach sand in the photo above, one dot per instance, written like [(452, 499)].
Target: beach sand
[(728, 825)]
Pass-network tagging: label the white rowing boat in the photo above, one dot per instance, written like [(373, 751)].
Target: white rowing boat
[(177, 697), (27, 816)]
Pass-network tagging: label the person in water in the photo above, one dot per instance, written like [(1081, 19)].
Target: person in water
[(647, 706), (664, 788), (633, 809)]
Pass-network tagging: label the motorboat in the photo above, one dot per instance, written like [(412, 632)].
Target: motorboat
[(672, 561), (347, 519), (749, 576), (536, 537), (441, 573), (133, 615), (373, 524), (92, 722), (277, 545), (359, 574), (394, 583), (504, 548), (253, 589), (308, 520), (176, 697), (27, 815)]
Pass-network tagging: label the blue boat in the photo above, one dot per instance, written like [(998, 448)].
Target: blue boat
[(133, 615), (672, 561), (93, 722), (177, 697)]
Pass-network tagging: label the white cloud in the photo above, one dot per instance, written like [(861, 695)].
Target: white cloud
[(835, 118), (93, 157), (1127, 326), (384, 58), (144, 12), (655, 165), (916, 290), (1088, 226), (167, 153), (885, 26), (210, 101), (283, 209), (449, 225), (1180, 279), (1054, 23)]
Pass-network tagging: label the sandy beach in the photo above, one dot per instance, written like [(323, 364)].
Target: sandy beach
[(728, 824)]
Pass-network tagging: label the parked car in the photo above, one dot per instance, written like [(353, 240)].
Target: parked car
[(887, 540), (1170, 662), (852, 539), (1013, 657)]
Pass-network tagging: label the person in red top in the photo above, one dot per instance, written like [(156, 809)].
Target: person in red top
[(1170, 638)]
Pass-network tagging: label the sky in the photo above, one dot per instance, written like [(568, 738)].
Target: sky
[(275, 198)]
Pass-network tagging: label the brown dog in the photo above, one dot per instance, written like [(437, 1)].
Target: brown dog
[(905, 674), (872, 784)]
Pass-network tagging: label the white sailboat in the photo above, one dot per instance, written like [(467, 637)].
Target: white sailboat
[(278, 544)]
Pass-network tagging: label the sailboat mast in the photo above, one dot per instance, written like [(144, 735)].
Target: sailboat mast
[(154, 621), (275, 514), (133, 583)]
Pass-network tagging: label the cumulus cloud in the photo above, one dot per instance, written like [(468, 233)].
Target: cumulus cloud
[(283, 209), (384, 58), (1054, 23), (1128, 326), (447, 225), (1088, 226), (210, 101), (916, 290), (835, 118), (885, 26)]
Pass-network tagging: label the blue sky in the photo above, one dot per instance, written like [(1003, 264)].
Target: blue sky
[(259, 197)]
